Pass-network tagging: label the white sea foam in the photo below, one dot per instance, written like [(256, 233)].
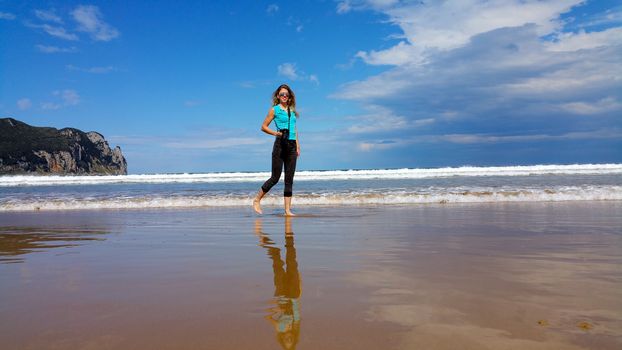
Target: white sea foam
[(380, 174), (476, 195)]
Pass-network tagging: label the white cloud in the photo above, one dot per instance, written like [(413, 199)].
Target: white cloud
[(463, 70), (570, 42), (59, 32), (94, 70), (377, 119), (7, 16), (101, 70), (55, 49), (199, 137), (465, 139), (376, 146), (612, 16), (272, 8), (295, 22), (70, 97), (210, 139), (227, 142), (348, 65), (50, 106), (49, 16), (343, 7), (374, 87), (399, 54), (55, 31), (445, 25), (423, 122), (24, 104), (380, 119), (346, 6), (314, 79), (567, 76), (479, 138), (90, 20), (288, 70), (247, 84), (502, 71), (588, 108), (207, 139)]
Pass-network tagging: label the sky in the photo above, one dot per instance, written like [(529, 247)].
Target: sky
[(184, 86)]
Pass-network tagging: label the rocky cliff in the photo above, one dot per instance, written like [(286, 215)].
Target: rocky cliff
[(29, 149)]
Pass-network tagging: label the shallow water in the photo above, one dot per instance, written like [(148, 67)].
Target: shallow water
[(474, 276)]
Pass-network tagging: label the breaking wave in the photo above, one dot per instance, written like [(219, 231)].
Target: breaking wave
[(380, 174), (442, 196)]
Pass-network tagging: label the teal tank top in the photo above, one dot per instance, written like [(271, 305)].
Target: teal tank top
[(280, 120)]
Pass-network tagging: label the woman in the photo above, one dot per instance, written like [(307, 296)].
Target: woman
[(286, 148)]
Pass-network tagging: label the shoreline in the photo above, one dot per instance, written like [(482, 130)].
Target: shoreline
[(272, 202)]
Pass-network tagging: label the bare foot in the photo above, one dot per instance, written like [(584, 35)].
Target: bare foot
[(289, 213), (256, 207)]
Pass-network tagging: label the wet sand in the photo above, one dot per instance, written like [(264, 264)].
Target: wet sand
[(477, 276)]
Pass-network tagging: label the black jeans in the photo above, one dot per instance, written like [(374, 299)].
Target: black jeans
[(283, 153)]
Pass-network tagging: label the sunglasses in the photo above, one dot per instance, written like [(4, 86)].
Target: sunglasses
[(283, 94)]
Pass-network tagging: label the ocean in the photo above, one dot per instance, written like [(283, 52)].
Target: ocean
[(500, 257), (537, 183)]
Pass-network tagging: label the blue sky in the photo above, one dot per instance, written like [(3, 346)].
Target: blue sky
[(185, 86)]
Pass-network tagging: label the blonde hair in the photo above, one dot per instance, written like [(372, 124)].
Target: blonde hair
[(291, 101)]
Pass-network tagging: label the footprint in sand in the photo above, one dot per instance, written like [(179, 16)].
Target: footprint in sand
[(585, 326), (543, 323)]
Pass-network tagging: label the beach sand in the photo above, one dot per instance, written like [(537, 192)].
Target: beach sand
[(472, 276)]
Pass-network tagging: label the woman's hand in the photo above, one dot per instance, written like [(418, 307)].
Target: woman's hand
[(278, 134), (298, 151)]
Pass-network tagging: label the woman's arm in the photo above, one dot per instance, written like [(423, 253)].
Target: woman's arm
[(297, 143), (265, 126)]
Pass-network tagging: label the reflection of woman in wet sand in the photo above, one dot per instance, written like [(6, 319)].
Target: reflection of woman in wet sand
[(285, 316)]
